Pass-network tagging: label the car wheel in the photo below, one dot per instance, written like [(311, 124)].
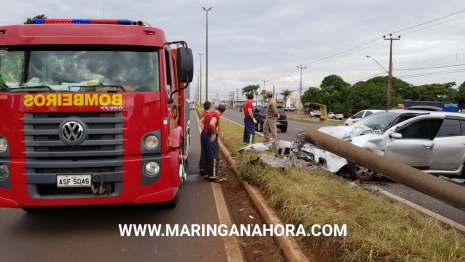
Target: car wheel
[(284, 130), (359, 172), (260, 127)]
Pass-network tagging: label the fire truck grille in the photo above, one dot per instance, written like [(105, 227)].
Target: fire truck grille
[(104, 135)]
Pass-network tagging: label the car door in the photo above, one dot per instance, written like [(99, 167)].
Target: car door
[(449, 146), (415, 146)]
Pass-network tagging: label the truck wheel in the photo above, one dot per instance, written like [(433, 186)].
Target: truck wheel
[(284, 130), (358, 172), (33, 209), (173, 203)]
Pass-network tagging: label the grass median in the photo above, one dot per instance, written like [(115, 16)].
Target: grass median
[(377, 230)]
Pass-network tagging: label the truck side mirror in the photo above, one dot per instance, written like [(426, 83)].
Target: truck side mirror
[(185, 64)]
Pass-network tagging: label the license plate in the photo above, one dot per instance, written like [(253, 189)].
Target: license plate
[(73, 180)]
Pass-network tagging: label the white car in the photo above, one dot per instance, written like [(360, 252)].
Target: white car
[(361, 114), (315, 113), (429, 141), (289, 108), (332, 115)]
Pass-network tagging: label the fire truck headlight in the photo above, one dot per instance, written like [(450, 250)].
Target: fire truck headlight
[(151, 142), (3, 144), (152, 168), (4, 172)]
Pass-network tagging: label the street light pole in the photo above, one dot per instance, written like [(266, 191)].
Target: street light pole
[(206, 55), (300, 89), (200, 85), (197, 96), (264, 81)]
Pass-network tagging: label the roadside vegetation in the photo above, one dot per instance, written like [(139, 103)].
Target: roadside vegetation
[(340, 96), (377, 229)]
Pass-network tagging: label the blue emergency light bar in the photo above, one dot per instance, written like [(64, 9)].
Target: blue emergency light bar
[(83, 21)]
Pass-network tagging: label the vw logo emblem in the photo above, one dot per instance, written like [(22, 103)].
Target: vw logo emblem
[(72, 132)]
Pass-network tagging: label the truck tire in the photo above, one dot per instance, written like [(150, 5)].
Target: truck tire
[(358, 172), (173, 203), (284, 130), (33, 209)]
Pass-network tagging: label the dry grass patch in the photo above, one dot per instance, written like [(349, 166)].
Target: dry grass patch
[(377, 230)]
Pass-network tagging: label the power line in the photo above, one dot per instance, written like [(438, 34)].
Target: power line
[(432, 26), (340, 54), (461, 11)]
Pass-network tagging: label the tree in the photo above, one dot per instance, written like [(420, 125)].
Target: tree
[(312, 94), (286, 93), (29, 20), (436, 92), (459, 96), (334, 83), (251, 89)]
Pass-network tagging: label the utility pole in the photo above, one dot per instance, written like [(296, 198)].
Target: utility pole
[(389, 96), (264, 81), (300, 89), (200, 83), (206, 55), (237, 96)]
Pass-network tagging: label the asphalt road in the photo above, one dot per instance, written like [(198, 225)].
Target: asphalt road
[(92, 233), (397, 189)]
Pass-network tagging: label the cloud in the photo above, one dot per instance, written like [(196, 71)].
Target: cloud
[(254, 40)]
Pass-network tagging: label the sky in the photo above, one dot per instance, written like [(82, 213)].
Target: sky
[(263, 42)]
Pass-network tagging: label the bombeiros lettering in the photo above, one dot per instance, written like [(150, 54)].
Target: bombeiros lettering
[(73, 100)]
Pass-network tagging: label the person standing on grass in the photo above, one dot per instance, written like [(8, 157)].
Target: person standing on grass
[(210, 139), (249, 121), (203, 154), (272, 116)]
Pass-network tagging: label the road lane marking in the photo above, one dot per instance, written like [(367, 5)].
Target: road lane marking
[(421, 209)]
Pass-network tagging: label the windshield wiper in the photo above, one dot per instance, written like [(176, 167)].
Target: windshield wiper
[(103, 88), (29, 89)]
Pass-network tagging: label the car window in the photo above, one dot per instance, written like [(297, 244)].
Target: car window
[(368, 113), (423, 129), (358, 115), (462, 123), (449, 127)]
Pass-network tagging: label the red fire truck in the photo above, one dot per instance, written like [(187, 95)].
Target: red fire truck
[(92, 112)]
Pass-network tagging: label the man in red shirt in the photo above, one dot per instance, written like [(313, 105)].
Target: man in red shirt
[(210, 140), (203, 154), (249, 121)]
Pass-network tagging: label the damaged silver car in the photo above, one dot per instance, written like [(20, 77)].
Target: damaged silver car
[(433, 142)]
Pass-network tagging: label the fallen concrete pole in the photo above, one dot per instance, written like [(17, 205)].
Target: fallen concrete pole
[(440, 189)]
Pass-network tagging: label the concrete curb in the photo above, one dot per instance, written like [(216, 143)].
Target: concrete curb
[(288, 246)]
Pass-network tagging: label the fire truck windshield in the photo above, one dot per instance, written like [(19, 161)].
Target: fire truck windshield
[(78, 70)]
